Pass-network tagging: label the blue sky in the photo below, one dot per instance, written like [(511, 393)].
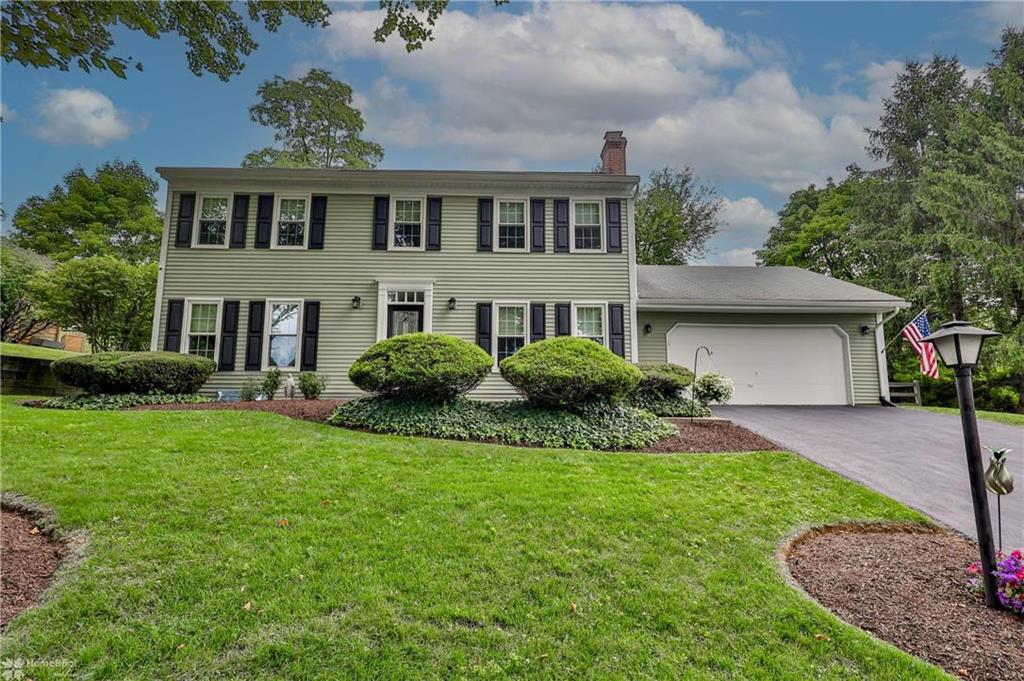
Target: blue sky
[(759, 98)]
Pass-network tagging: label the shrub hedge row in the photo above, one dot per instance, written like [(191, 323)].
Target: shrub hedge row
[(116, 373)]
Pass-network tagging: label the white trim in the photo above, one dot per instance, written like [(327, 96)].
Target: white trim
[(881, 358), (198, 214), (603, 304), (724, 307), (634, 331), (494, 325), (845, 337), (423, 223), (186, 324), (601, 219), (383, 286), (526, 224), (164, 242), (268, 314), (308, 198)]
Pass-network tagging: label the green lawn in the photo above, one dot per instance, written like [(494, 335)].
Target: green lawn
[(405, 557), (33, 351), (999, 416)]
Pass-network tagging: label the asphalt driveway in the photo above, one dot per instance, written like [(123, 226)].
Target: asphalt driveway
[(915, 457)]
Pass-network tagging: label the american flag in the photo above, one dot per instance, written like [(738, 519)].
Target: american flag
[(914, 332)]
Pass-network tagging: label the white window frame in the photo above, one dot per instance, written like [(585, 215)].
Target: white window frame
[(268, 311), (526, 224), (386, 285), (600, 228), (393, 213), (494, 325), (198, 216), (604, 317), (187, 325), (308, 198)]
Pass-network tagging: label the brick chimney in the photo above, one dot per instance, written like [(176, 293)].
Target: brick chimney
[(613, 154)]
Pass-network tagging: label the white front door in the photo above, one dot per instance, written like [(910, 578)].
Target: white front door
[(770, 364)]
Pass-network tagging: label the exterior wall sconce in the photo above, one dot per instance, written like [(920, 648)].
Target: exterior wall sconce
[(451, 303), (357, 302), (865, 329), (647, 329)]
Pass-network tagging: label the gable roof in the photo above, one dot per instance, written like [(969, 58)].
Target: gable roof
[(742, 288)]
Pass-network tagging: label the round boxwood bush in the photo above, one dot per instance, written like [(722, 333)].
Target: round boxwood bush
[(569, 372), (665, 380), (117, 373), (421, 366)]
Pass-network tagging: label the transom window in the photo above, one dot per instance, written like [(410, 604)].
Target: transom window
[(283, 332), (590, 322), (202, 329), (587, 225), (291, 222), (511, 330), (213, 221), (405, 296), (511, 225), (408, 232)]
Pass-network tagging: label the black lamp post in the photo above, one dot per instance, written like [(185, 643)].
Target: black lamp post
[(959, 344)]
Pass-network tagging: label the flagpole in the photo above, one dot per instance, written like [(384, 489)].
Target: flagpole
[(900, 335)]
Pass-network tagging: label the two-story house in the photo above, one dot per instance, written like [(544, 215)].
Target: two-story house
[(304, 269)]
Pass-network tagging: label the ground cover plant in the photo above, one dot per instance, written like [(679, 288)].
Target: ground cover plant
[(124, 401), (248, 545)]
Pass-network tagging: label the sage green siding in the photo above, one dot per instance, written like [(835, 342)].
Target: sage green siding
[(651, 347), (347, 267)]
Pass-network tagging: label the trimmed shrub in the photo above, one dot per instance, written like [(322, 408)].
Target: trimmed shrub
[(117, 373), (661, 405), (568, 372), (666, 380), (712, 387), (311, 385), (271, 382), (592, 426), (122, 401), (421, 366), (250, 390)]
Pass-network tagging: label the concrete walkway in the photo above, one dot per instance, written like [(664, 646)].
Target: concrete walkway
[(915, 457)]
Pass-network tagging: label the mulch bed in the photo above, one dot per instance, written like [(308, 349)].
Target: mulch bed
[(907, 585), (30, 558), (710, 436), (307, 410)]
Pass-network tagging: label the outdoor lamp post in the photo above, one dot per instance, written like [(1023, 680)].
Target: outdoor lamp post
[(959, 344)]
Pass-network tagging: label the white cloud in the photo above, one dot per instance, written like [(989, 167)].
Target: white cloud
[(81, 116), (746, 218), (992, 17), (735, 257), (6, 113)]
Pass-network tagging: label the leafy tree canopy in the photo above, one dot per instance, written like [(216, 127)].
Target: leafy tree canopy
[(675, 216), (19, 317), (314, 122), (110, 212)]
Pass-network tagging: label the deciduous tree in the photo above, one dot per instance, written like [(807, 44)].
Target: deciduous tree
[(19, 314), (676, 214)]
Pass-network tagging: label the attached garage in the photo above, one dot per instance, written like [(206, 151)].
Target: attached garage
[(784, 335)]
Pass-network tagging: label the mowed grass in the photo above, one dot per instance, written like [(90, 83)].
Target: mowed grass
[(997, 416), (34, 351), (413, 558)]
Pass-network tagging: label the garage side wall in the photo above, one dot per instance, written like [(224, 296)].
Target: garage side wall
[(863, 355)]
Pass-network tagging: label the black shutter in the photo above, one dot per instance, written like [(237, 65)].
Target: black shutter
[(264, 218), (310, 334), (186, 213), (254, 337), (229, 335), (563, 319), (537, 207), (317, 222), (561, 225), (239, 220), (483, 325), (616, 330), (485, 225), (380, 222), (614, 209), (172, 333), (433, 223), (538, 322)]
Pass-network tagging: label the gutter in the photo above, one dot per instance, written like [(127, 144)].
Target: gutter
[(772, 306)]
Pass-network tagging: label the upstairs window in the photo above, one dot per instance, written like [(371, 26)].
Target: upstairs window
[(283, 335), (587, 226), (213, 216), (590, 322), (202, 329), (292, 215), (408, 225), (511, 330), (511, 226)]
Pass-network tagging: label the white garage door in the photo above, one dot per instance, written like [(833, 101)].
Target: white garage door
[(770, 364)]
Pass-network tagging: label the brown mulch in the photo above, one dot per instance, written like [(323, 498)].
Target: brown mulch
[(307, 410), (29, 559), (710, 436), (907, 585)]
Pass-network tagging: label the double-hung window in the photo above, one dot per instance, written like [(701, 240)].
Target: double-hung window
[(588, 321), (510, 331), (283, 334), (290, 226), (587, 226), (511, 225), (407, 230), (201, 331), (212, 220)]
